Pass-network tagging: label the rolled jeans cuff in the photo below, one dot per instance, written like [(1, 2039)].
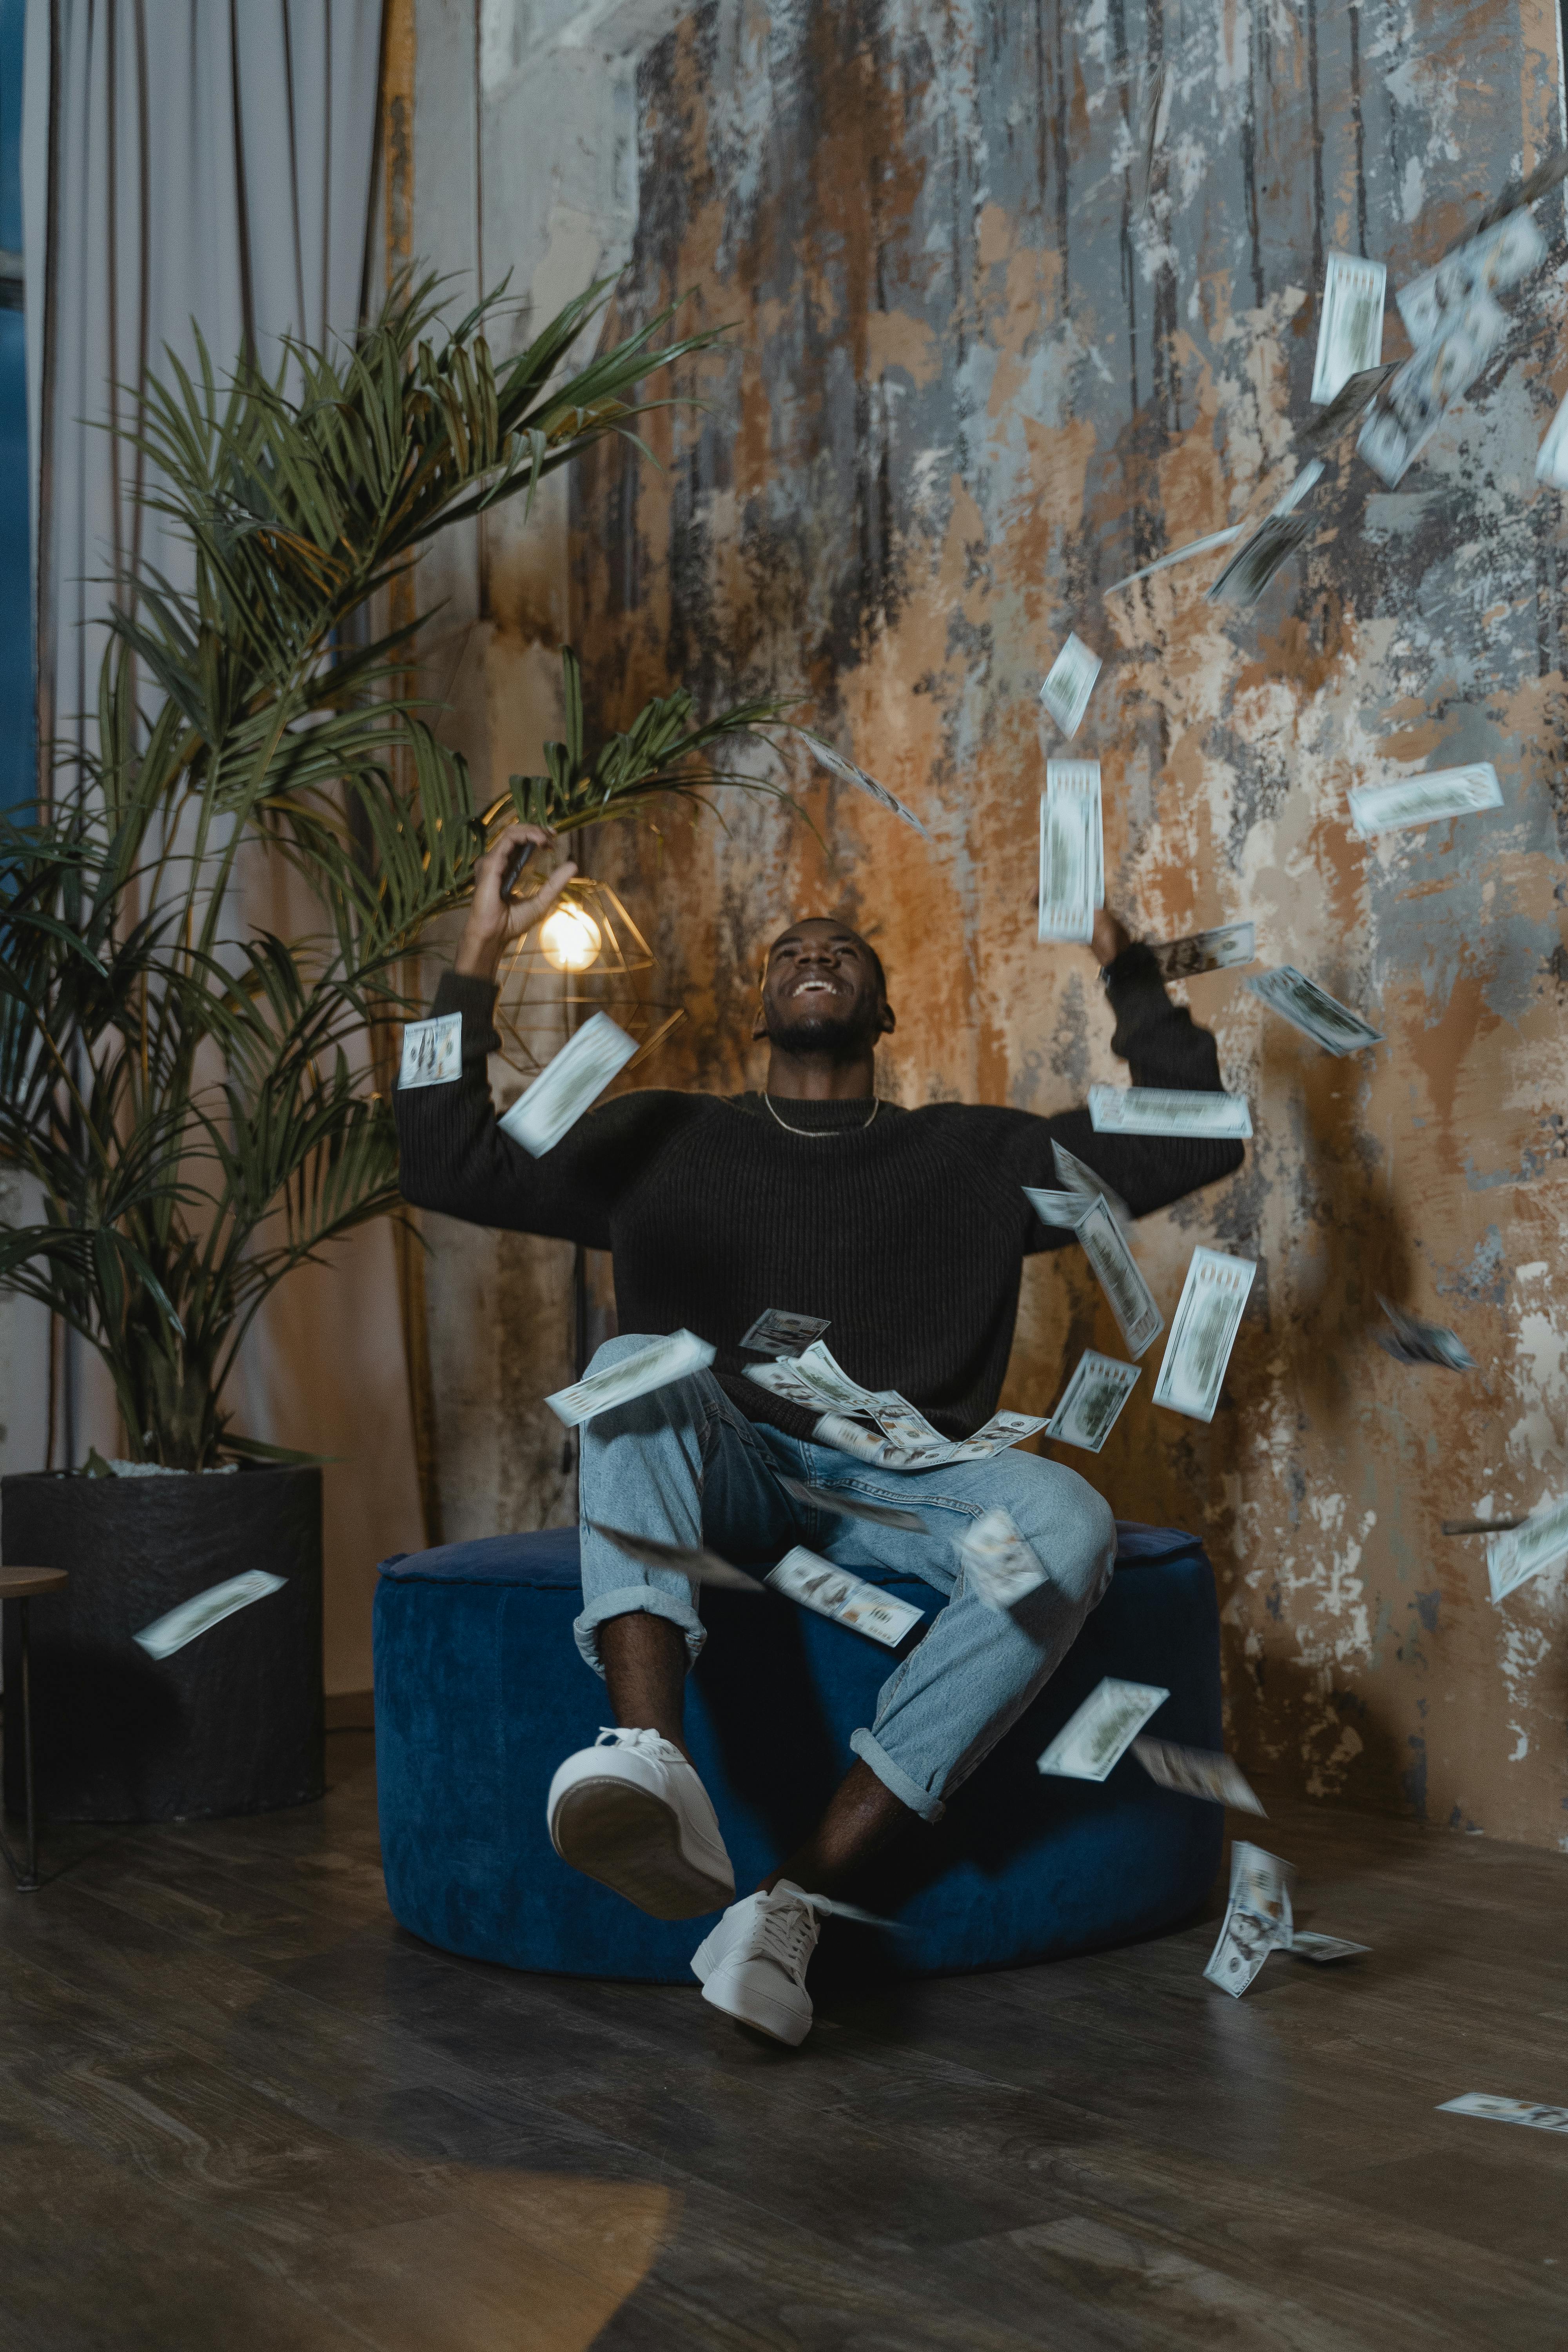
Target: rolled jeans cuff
[(871, 1751), (622, 1603)]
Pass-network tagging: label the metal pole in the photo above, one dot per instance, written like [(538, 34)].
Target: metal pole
[(27, 1885)]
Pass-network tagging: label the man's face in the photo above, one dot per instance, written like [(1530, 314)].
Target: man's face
[(821, 993)]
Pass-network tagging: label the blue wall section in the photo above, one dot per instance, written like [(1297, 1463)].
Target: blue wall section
[(17, 772)]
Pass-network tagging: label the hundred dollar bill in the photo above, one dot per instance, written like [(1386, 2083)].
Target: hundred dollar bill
[(1526, 1550), (573, 1079), (878, 1424), (1528, 191), (1306, 1946), (1076, 1176), (854, 1506), (1072, 850), (778, 1333), (1091, 1743), (1261, 1884), (1094, 1397), (1131, 1300), (1254, 564), (1006, 1429), (851, 774), (1244, 1943), (1064, 1210), (1168, 1110), (171, 1631), (1313, 1011), (817, 1584), (1069, 683), (1180, 555), (1217, 951), (653, 1367), (1153, 118), (1412, 1342), (1207, 1319), (432, 1052), (1551, 459), (687, 1559), (1482, 266), (1350, 322), (1351, 402), (999, 1561), (1196, 1772), (1423, 800), (1412, 403), (1497, 2110), (1257, 1921)]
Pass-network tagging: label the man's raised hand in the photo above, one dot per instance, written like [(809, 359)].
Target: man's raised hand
[(494, 920)]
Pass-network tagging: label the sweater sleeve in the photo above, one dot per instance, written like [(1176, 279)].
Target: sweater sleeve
[(454, 1156), (1162, 1046)]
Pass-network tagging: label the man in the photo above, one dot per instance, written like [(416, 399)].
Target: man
[(906, 1231)]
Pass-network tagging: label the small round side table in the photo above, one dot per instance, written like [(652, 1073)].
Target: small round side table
[(21, 1585)]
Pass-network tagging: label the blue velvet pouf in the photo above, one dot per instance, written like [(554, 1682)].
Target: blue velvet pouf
[(480, 1692)]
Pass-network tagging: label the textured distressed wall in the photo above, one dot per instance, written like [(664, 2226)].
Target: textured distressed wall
[(969, 389)]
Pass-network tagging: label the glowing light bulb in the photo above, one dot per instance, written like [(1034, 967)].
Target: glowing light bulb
[(571, 939)]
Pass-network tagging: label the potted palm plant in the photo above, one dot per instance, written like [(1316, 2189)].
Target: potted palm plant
[(200, 1105)]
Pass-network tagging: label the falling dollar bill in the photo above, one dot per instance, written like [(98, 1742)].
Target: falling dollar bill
[(1168, 1110), (878, 1426), (1207, 1319), (851, 774), (1497, 2110), (1527, 1549), (1416, 397), (1350, 403), (1131, 1300), (1093, 1398), (171, 1631), (563, 1089), (1412, 1342), (1482, 266), (653, 1367), (779, 1333), (1180, 555), (432, 1052), (1072, 850), (1321, 1949), (1423, 800), (1528, 191), (846, 1506), (1551, 459), (1313, 1011), (1217, 951), (1196, 1772), (1092, 1742), (1153, 118), (1069, 684), (848, 1600), (1254, 564), (1076, 1176), (1350, 322), (687, 1559), (1064, 1210), (999, 1561), (1258, 1918)]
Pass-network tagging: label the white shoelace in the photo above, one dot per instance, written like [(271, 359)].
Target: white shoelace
[(645, 1742)]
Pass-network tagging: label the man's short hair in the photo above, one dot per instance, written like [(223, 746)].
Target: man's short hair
[(875, 959)]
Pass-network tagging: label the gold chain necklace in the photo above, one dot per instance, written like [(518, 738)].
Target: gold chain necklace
[(815, 1133)]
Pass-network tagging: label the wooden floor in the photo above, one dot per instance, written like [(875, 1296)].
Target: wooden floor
[(245, 2113)]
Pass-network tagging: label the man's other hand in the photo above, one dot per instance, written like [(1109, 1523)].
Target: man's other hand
[(495, 922), (1108, 938)]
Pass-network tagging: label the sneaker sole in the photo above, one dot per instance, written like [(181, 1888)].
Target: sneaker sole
[(768, 2017), (629, 1842)]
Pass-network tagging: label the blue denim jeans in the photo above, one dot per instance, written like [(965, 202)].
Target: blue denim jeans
[(684, 1465)]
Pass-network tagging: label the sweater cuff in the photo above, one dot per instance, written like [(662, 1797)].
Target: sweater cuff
[(475, 999)]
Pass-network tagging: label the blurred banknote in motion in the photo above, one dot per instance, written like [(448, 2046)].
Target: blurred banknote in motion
[(1552, 459), (854, 1506), (563, 1089), (687, 1559), (1196, 1772), (1351, 402), (1180, 555), (1350, 322), (1153, 118), (1064, 1210), (1074, 1176), (1215, 950), (432, 1052), (1072, 850), (1092, 1402), (817, 1584), (1525, 1552), (1208, 1316), (1131, 1301), (1254, 564), (1412, 403), (653, 1367), (1258, 1918), (1497, 2110), (851, 774), (999, 1561), (1528, 191), (779, 1333), (1412, 1341), (1168, 1110), (1313, 1011), (1423, 800), (1306, 1946), (1481, 267), (177, 1626), (1091, 1743), (878, 1426), (1069, 683)]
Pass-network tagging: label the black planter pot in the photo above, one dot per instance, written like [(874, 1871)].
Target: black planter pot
[(231, 1723)]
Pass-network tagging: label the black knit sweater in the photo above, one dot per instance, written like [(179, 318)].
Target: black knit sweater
[(907, 1234)]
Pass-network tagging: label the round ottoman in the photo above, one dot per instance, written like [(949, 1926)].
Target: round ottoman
[(480, 1693)]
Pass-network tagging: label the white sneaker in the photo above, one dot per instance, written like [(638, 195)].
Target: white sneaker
[(754, 1964), (632, 1813)]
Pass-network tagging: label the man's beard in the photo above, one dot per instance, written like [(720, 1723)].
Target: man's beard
[(816, 1032)]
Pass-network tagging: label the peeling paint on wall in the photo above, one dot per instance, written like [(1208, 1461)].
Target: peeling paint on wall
[(970, 388)]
